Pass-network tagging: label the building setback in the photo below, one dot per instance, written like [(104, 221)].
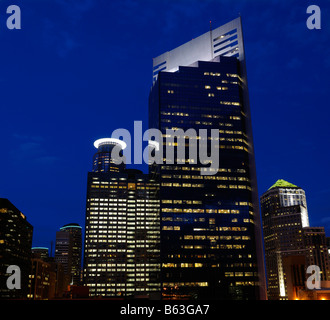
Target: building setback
[(121, 252), (211, 244)]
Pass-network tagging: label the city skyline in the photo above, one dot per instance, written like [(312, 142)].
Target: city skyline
[(38, 152), (204, 217)]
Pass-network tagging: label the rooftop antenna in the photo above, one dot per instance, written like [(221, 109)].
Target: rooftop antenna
[(211, 38)]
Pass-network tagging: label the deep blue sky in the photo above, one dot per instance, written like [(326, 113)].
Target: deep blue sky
[(79, 69)]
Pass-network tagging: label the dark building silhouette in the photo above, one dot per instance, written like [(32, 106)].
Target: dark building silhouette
[(75, 251), (42, 280), (211, 245), (47, 279), (294, 270), (63, 250), (15, 248), (40, 253)]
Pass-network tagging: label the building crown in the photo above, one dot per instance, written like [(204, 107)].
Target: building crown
[(283, 184)]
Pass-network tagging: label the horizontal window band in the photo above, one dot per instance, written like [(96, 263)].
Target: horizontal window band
[(224, 41), (159, 65), (156, 72), (225, 35), (230, 47)]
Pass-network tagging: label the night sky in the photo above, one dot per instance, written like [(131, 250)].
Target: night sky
[(79, 69)]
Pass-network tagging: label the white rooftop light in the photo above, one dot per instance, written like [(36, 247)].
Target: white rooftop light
[(113, 141)]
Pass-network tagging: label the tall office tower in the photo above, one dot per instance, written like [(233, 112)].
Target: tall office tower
[(75, 250), (284, 215), (121, 252), (15, 248), (63, 251), (317, 250), (211, 245)]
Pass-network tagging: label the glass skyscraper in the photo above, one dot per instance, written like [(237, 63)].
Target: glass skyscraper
[(210, 244)]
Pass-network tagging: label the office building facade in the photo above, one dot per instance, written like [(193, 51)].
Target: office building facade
[(284, 215), (211, 244), (74, 250), (15, 248), (63, 251), (121, 249), (47, 278), (42, 280)]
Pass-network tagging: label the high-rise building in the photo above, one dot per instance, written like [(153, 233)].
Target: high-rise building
[(121, 253), (15, 248), (211, 244), (63, 250), (284, 215), (75, 251)]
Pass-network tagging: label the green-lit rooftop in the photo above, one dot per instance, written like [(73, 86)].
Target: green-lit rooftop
[(282, 184)]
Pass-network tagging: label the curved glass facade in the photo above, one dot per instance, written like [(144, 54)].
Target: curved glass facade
[(105, 162)]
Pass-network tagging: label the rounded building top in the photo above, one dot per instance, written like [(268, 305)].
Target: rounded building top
[(109, 141), (39, 248), (71, 225)]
